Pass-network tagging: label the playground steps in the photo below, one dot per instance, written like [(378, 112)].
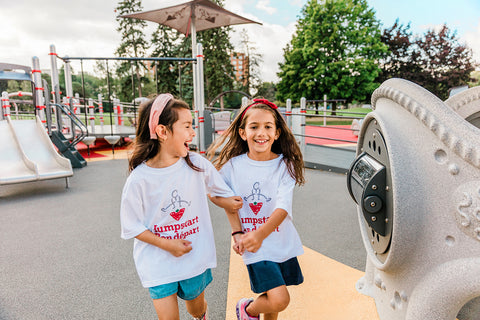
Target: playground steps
[(68, 151)]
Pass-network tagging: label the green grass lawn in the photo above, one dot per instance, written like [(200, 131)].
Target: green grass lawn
[(347, 113), (127, 121)]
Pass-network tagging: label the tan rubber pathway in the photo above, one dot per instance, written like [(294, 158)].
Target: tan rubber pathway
[(327, 293)]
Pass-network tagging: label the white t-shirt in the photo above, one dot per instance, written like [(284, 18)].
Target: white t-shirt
[(172, 203), (264, 186)]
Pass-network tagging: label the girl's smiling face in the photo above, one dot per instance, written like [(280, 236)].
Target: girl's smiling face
[(260, 133), (177, 141)]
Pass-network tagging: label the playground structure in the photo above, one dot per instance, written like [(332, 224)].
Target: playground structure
[(26, 152), (71, 119), (62, 116), (207, 120), (122, 115), (418, 200)]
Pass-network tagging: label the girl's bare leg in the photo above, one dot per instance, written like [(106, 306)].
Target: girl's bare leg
[(167, 308), (270, 316), (270, 303), (197, 306)]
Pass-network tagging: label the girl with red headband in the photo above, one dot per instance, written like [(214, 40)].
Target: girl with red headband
[(261, 161), (164, 207)]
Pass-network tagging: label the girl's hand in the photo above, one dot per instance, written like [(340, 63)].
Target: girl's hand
[(234, 203), (238, 244), (179, 247), (252, 241)]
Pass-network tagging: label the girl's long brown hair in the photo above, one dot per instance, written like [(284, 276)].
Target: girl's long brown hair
[(286, 143), (145, 148)]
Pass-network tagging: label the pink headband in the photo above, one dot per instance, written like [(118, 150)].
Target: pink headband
[(157, 107), (259, 101)]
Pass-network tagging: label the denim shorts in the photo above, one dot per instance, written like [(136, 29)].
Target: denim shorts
[(266, 275), (187, 289)]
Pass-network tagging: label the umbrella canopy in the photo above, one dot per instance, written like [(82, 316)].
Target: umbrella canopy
[(190, 17), (199, 14)]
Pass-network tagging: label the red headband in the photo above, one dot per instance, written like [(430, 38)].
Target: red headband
[(259, 101)]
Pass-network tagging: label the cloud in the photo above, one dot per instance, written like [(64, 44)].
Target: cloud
[(84, 27), (88, 28), (269, 39), (472, 39), (264, 5), (426, 27), (297, 3)]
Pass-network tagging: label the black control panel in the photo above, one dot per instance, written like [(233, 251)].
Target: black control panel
[(366, 183)]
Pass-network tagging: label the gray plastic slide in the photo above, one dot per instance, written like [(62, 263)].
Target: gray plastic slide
[(27, 154)]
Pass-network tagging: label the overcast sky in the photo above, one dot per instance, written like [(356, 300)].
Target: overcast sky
[(87, 27)]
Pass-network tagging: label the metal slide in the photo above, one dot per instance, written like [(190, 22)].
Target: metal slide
[(27, 154), (15, 167)]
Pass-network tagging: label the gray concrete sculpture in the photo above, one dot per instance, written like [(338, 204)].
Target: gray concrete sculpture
[(416, 180), (467, 105)]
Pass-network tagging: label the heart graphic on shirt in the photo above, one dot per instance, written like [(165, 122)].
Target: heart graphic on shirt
[(256, 207), (177, 215)]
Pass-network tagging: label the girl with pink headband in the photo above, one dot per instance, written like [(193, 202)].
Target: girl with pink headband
[(165, 209)]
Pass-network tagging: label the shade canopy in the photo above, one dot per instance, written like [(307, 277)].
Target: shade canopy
[(189, 17), (204, 15)]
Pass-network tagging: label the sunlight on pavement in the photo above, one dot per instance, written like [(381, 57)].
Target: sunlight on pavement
[(327, 293)]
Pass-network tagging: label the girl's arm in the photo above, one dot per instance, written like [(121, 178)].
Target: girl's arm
[(177, 247), (229, 204), (233, 218), (236, 225), (252, 240)]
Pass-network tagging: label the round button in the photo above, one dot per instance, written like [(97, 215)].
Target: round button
[(372, 204)]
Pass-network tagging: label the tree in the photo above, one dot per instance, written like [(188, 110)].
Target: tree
[(445, 62), (267, 90), (133, 45), (184, 69), (335, 52), (435, 61), (252, 72), (164, 42), (402, 59), (217, 66), (91, 84), (100, 69), (475, 81), (218, 71)]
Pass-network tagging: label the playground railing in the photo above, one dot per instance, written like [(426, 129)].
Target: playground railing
[(327, 140), (76, 138)]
